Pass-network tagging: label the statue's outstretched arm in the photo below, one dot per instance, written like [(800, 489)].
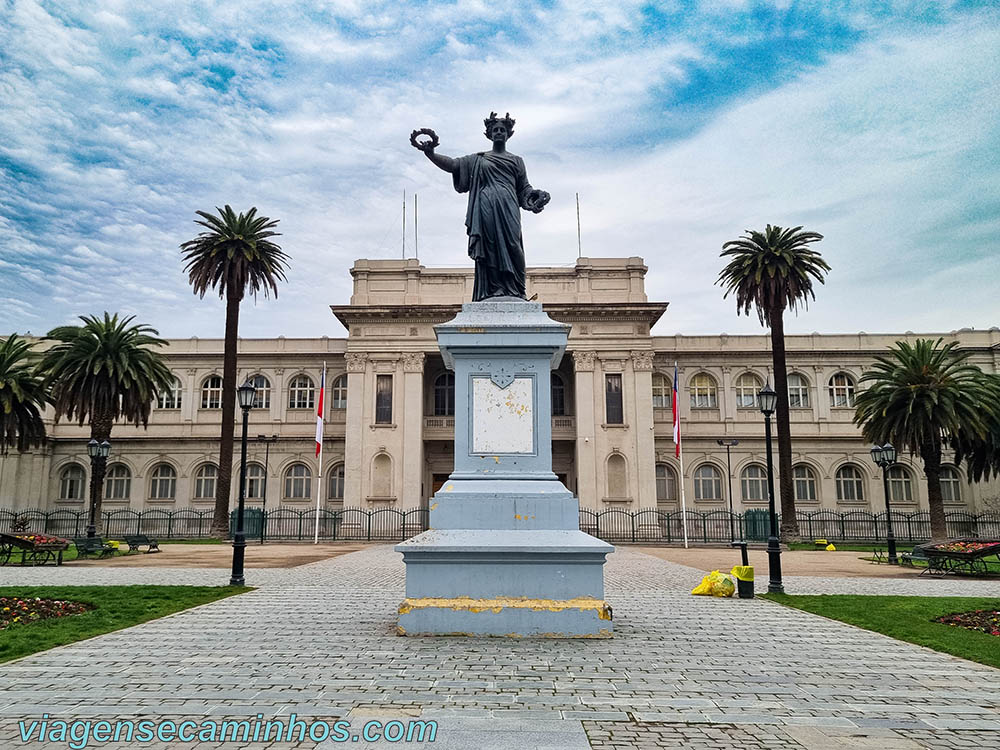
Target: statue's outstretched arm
[(440, 160)]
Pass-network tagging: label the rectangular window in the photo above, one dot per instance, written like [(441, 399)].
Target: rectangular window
[(614, 412), (383, 399)]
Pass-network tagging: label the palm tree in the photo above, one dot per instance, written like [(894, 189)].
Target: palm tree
[(22, 397), (921, 396), (104, 371), (773, 271), (234, 257)]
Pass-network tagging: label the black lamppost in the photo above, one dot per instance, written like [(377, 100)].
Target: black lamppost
[(263, 504), (768, 399), (99, 452), (245, 394), (885, 456), (729, 468)]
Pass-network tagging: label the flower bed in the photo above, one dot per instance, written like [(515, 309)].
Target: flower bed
[(41, 539), (15, 611), (964, 546), (983, 620)]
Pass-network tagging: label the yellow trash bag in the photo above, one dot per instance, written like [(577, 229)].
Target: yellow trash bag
[(715, 584), (831, 548), (742, 572)]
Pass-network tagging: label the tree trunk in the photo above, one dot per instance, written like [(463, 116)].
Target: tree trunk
[(220, 520), (930, 451), (100, 430), (789, 522)]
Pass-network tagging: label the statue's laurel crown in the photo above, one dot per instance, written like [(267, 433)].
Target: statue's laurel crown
[(506, 120)]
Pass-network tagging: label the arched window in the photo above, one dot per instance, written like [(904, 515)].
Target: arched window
[(336, 489), (753, 484), (707, 483), (171, 398), (338, 392), (163, 483), (204, 482), (617, 476), (118, 483), (842, 391), (798, 391), (298, 482), (666, 484), (900, 485), (262, 399), (747, 387), (382, 476), (850, 484), (301, 393), (704, 394), (951, 487), (804, 484), (661, 391), (255, 482), (444, 395), (71, 481), (211, 393), (558, 393)]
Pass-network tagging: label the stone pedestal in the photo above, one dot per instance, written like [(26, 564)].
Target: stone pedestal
[(504, 554)]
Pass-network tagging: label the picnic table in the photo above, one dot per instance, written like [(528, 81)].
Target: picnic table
[(35, 549), (967, 555)]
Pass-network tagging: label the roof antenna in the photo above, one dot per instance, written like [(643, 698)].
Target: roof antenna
[(416, 247), (579, 245), (404, 225)]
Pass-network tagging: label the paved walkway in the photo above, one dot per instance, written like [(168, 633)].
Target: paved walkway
[(318, 641)]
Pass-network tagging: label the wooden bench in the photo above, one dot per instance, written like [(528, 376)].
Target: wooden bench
[(135, 541), (92, 545)]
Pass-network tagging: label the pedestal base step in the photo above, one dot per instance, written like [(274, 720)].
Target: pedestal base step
[(511, 617)]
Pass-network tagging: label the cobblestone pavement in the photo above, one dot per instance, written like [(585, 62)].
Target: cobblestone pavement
[(318, 641)]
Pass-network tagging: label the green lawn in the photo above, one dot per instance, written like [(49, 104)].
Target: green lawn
[(908, 618), (115, 607), (849, 547)]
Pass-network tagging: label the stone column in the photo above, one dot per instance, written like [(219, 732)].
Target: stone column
[(353, 464), (587, 490), (412, 443), (642, 418)]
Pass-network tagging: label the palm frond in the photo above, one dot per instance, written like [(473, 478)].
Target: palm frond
[(235, 255), (772, 271), (106, 368), (22, 396)]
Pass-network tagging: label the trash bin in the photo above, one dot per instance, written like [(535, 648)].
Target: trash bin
[(744, 580)]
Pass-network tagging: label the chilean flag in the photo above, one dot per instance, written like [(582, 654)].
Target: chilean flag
[(319, 412), (677, 417)]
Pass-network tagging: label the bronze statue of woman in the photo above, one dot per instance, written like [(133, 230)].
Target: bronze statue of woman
[(498, 187)]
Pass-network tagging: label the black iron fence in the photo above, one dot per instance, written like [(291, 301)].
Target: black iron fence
[(616, 526), (652, 526)]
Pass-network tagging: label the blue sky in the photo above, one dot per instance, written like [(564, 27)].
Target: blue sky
[(680, 124)]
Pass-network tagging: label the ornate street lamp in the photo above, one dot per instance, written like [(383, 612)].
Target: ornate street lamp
[(768, 399), (884, 457), (245, 394), (729, 468), (98, 452)]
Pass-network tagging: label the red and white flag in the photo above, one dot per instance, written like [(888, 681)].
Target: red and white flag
[(319, 412), (677, 418)]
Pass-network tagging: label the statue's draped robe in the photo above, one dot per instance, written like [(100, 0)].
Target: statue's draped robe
[(497, 185)]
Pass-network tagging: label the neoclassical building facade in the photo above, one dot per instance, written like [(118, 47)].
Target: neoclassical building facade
[(389, 410)]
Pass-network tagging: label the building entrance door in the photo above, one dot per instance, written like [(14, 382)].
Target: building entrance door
[(437, 482)]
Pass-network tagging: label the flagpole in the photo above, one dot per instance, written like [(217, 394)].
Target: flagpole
[(319, 476), (680, 458)]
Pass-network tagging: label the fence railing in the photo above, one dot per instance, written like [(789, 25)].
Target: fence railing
[(612, 525)]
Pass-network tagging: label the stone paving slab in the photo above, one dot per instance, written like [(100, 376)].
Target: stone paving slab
[(319, 641)]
